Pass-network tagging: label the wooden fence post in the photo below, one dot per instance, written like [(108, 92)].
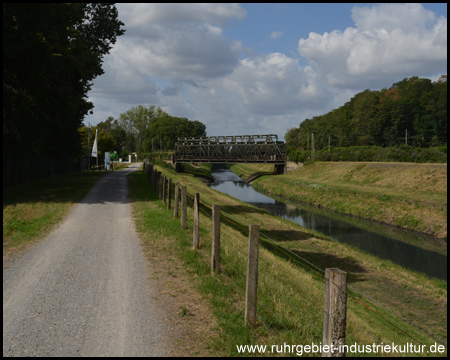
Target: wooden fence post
[(183, 207), (251, 293), (154, 179), (177, 199), (196, 238), (215, 248), (169, 195), (335, 311), (158, 184), (164, 189)]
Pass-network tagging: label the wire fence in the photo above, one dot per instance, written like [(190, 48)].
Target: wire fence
[(290, 305)]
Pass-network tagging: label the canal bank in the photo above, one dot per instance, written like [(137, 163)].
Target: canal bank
[(415, 296), (409, 196), (408, 249)]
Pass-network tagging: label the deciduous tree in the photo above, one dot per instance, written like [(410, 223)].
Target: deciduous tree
[(51, 54)]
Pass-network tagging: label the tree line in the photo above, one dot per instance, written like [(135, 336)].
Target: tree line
[(51, 54), (142, 130), (412, 112)]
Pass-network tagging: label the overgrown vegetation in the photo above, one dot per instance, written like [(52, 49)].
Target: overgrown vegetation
[(401, 153)]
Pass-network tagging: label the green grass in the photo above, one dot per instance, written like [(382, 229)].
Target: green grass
[(200, 171), (163, 236), (412, 196), (290, 290), (32, 209), (248, 169)]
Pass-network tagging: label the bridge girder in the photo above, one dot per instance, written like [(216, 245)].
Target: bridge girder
[(231, 149)]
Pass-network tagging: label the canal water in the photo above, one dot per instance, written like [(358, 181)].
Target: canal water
[(374, 238)]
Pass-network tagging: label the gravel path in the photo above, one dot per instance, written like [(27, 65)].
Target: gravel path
[(84, 290)]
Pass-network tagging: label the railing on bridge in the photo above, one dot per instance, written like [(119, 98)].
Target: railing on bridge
[(231, 149)]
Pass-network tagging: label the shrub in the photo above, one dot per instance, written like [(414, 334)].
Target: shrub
[(400, 153)]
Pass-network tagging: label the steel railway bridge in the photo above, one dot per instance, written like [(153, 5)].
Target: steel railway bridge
[(231, 149)]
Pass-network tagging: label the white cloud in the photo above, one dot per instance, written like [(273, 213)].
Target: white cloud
[(388, 17), (181, 41), (275, 34), (190, 51), (389, 39), (273, 84), (177, 57), (143, 15), (175, 42)]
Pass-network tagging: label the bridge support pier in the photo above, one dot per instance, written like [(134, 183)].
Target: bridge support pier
[(279, 168)]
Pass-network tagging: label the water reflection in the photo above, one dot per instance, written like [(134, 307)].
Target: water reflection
[(375, 242)]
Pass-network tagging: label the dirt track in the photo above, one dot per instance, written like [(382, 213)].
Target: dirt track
[(84, 290)]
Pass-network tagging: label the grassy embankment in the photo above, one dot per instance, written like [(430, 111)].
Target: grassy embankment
[(290, 290), (412, 196), (32, 209)]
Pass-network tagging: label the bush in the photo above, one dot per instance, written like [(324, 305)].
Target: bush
[(400, 153)]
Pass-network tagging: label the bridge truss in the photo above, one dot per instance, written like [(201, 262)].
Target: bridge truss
[(231, 149)]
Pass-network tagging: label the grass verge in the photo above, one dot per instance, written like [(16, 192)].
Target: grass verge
[(167, 244), (32, 209), (291, 284)]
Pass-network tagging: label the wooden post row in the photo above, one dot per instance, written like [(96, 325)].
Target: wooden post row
[(149, 173), (215, 248), (176, 200), (183, 207), (169, 196), (196, 237), (335, 312), (164, 189), (251, 292), (160, 186)]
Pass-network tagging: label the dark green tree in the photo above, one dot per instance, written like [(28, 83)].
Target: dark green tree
[(51, 54), (135, 122), (165, 130), (382, 118), (105, 142), (292, 138)]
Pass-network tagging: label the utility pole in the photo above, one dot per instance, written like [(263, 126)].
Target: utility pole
[(406, 137)]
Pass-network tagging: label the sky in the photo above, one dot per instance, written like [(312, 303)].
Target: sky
[(252, 69)]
